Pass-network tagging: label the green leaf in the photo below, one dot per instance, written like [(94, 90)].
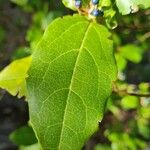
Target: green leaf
[(69, 81), (110, 19), (105, 3), (20, 2), (131, 52), (143, 126), (130, 102), (50, 17), (23, 136), (31, 147), (102, 147), (121, 62), (21, 52), (86, 3), (70, 4), (145, 112), (130, 6), (12, 78)]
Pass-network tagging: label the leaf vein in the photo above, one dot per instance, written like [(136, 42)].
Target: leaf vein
[(71, 83)]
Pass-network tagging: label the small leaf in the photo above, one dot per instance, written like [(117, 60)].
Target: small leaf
[(69, 81), (23, 136), (121, 62), (12, 78), (105, 3), (31, 147), (70, 4), (130, 102), (110, 19), (145, 112), (129, 49), (130, 6), (20, 2)]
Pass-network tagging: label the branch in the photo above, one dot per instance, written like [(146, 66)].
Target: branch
[(123, 92)]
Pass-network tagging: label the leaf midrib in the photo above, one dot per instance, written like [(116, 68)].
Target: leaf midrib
[(70, 86)]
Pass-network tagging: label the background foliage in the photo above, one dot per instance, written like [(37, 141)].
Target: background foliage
[(127, 117)]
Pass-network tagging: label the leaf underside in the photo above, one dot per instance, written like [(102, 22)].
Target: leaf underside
[(69, 81)]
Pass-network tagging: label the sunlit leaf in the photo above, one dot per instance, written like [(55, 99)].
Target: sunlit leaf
[(121, 62), (69, 81), (12, 78), (130, 102), (131, 52), (131, 6), (110, 18)]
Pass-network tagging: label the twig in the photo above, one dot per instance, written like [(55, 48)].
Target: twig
[(123, 92)]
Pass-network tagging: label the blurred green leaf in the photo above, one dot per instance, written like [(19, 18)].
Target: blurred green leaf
[(130, 6), (130, 102), (40, 21), (34, 34), (23, 136), (20, 53), (129, 141), (70, 4), (121, 61), (35, 31), (124, 141), (50, 17), (116, 39), (145, 112), (131, 52), (110, 19), (102, 147), (141, 144), (143, 127), (144, 88), (105, 3), (20, 2), (12, 78), (31, 147)]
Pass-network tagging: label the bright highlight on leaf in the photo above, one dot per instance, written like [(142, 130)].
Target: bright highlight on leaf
[(69, 81), (130, 6), (71, 3), (12, 78)]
